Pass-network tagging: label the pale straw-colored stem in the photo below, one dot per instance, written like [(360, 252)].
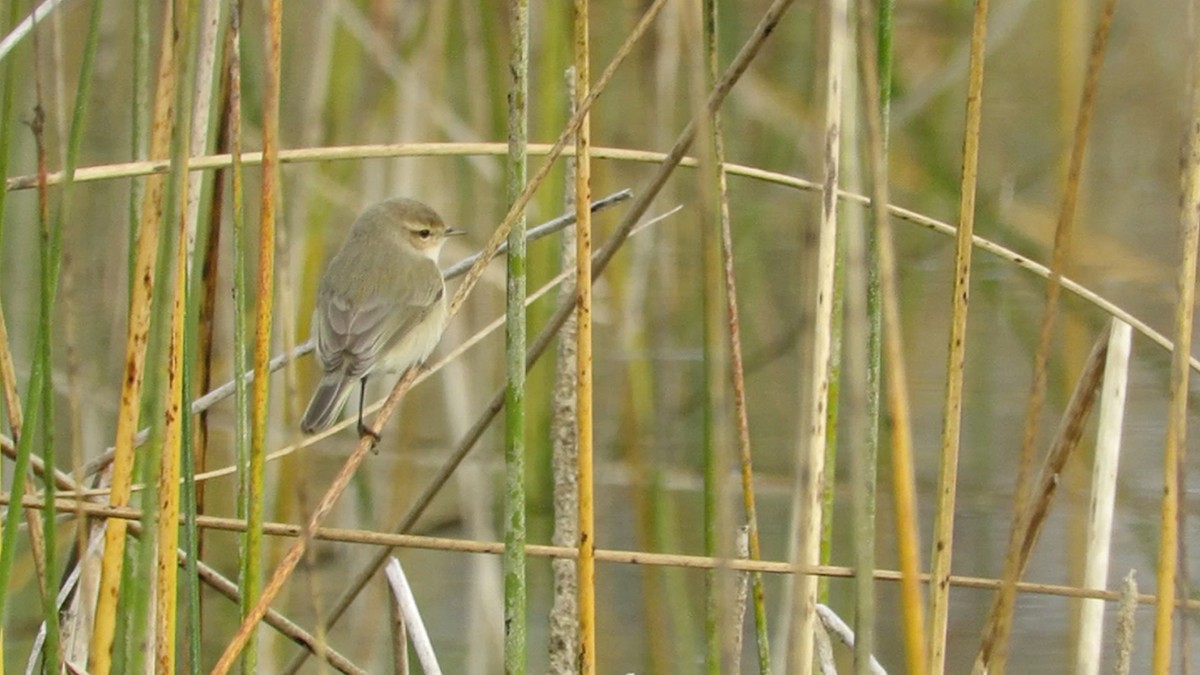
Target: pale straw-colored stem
[(1104, 492)]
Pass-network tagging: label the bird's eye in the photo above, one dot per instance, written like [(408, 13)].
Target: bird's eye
[(424, 234)]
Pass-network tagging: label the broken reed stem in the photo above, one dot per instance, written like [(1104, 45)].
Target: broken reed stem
[(995, 636), (1104, 489)]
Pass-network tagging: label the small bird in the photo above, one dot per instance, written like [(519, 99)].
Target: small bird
[(380, 306)]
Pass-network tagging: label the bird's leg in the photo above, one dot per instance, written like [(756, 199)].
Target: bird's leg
[(363, 429)]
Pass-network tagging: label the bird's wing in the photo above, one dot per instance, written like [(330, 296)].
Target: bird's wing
[(350, 335)]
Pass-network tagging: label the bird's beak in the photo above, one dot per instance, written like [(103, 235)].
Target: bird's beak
[(451, 232)]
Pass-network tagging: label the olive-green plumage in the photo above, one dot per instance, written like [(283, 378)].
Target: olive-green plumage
[(381, 302)]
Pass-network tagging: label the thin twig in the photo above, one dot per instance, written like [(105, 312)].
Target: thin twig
[(388, 541)]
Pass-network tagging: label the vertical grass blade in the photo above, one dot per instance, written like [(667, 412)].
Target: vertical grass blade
[(912, 619), (856, 387), (943, 530), (514, 352), (7, 530), (720, 627), (1104, 492)]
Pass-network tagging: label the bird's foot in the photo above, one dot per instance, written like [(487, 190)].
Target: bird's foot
[(365, 431)]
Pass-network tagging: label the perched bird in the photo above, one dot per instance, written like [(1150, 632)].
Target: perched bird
[(380, 306)]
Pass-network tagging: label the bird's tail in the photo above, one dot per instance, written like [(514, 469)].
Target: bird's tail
[(327, 402)]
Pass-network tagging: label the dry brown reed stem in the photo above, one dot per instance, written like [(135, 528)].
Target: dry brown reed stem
[(613, 556), (37, 542), (907, 537), (1175, 449), (292, 558), (742, 421), (8, 378), (585, 565), (142, 291), (208, 301), (12, 403), (991, 651), (815, 373), (1061, 254), (943, 531)]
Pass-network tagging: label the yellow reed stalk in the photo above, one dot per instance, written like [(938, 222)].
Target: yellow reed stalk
[(142, 291), (1173, 453), (264, 305), (586, 563), (167, 564)]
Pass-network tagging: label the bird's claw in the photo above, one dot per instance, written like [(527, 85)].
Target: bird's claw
[(365, 431)]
